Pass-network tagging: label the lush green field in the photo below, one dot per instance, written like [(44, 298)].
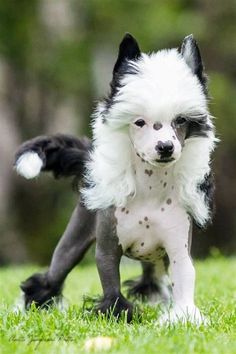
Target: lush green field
[(67, 332)]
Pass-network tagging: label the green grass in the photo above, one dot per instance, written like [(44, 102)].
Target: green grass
[(66, 332)]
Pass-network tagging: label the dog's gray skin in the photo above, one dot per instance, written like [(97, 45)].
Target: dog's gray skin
[(45, 289), (76, 240), (108, 256)]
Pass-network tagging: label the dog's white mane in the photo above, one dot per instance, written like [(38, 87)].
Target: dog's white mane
[(163, 85)]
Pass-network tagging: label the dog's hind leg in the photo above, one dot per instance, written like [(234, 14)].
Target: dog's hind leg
[(152, 285), (43, 289)]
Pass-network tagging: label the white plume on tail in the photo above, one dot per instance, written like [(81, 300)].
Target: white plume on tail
[(29, 165)]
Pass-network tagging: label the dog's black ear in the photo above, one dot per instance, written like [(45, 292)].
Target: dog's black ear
[(191, 54), (128, 50)]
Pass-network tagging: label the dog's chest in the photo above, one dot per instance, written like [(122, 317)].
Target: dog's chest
[(150, 220)]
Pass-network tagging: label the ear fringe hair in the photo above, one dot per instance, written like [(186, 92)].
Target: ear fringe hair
[(190, 171), (109, 175)]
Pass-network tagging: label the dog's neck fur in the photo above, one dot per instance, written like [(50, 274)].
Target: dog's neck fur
[(152, 181)]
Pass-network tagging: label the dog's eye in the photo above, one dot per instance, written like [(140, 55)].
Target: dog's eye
[(180, 120), (140, 123)]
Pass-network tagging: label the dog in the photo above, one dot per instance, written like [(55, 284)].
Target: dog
[(146, 178)]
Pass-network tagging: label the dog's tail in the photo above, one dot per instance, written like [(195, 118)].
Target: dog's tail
[(63, 155)]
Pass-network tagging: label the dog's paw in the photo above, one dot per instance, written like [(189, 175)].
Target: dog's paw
[(183, 315), (116, 306), (36, 289), (153, 292)]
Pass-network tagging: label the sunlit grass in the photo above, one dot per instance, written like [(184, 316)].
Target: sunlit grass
[(66, 331)]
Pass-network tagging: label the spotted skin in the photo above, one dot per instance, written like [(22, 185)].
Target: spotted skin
[(144, 228), (148, 172), (157, 126)]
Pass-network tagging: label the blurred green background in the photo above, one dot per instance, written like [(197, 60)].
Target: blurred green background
[(56, 59)]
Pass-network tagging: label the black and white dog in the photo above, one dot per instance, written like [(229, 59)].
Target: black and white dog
[(146, 176)]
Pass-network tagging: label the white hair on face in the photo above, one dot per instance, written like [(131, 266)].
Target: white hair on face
[(162, 88), (29, 165)]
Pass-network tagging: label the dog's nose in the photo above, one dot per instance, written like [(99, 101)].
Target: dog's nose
[(165, 149)]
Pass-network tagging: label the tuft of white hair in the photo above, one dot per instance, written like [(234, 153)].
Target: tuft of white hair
[(29, 165)]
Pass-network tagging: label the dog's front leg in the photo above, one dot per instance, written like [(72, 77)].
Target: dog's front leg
[(108, 255), (182, 275)]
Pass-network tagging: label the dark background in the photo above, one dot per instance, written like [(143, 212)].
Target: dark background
[(56, 59)]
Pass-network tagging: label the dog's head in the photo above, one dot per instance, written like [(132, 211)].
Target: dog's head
[(160, 98), (157, 108)]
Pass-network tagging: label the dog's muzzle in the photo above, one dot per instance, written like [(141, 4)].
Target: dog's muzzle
[(165, 150)]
